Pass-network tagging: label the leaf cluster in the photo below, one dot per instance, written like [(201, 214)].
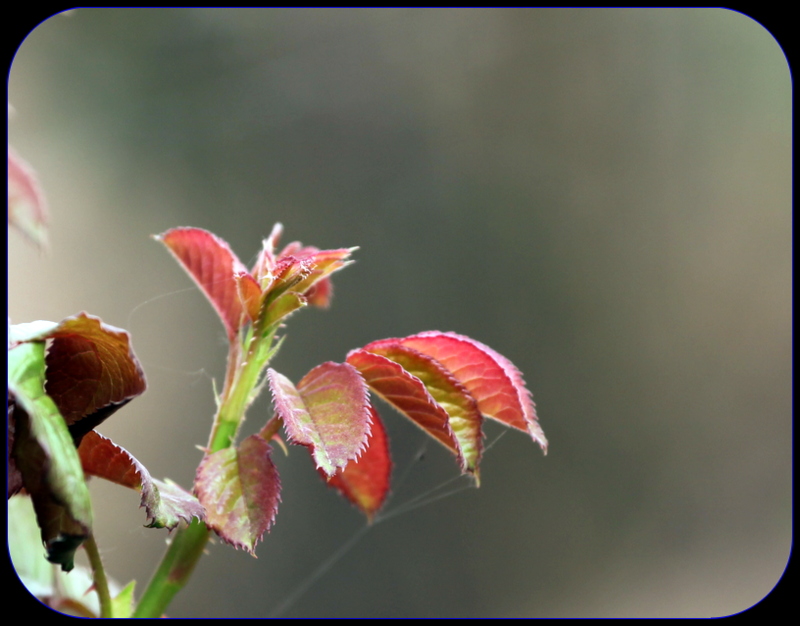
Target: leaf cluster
[(65, 379), (445, 383)]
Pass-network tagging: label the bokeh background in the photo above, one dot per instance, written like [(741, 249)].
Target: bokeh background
[(603, 196)]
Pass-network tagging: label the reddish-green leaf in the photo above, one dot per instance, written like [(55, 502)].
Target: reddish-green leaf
[(406, 393), (249, 294), (103, 458), (491, 378), (287, 274), (272, 269), (212, 265), (320, 293), (285, 305), (323, 263), (238, 295), (464, 417), (327, 410), (240, 490), (27, 208), (45, 456), (91, 369), (365, 480), (165, 502)]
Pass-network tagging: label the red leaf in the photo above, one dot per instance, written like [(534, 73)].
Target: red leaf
[(315, 264), (212, 265), (240, 489), (234, 292), (91, 366), (406, 393), (101, 457), (320, 293), (365, 481), (327, 410), (166, 503), (249, 294), (317, 287), (491, 378), (463, 415)]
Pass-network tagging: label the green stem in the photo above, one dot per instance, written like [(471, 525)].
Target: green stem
[(100, 580), (189, 542), (233, 405), (244, 369), (175, 569)]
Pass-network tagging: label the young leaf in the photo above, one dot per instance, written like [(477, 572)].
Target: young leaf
[(286, 276), (46, 458), (323, 263), (91, 367), (212, 265), (491, 378), (463, 415), (285, 305), (365, 481), (317, 287), (407, 394), (234, 292), (320, 293), (240, 489), (165, 502), (249, 294), (123, 603), (329, 410)]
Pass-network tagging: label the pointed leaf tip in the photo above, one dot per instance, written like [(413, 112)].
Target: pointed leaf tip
[(212, 264), (491, 378), (406, 393), (327, 410), (464, 418), (365, 481), (91, 369), (240, 490), (166, 503)]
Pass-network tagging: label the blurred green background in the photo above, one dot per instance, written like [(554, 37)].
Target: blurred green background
[(603, 196)]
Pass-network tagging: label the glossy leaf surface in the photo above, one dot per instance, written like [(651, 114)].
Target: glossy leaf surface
[(406, 393), (463, 415), (212, 265), (491, 378)]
